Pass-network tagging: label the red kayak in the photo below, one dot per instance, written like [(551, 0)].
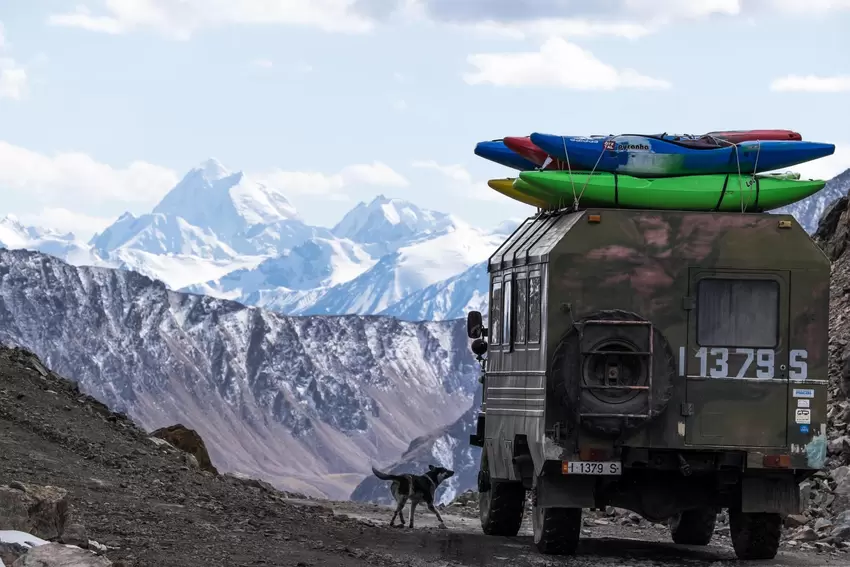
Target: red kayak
[(738, 136), (523, 146)]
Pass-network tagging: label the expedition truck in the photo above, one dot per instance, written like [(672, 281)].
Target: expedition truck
[(671, 363)]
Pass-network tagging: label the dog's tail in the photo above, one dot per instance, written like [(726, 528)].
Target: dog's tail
[(385, 476)]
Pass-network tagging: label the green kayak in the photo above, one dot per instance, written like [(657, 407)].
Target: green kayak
[(720, 192)]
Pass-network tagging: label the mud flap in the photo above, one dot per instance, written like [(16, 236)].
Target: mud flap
[(561, 492), (775, 494)]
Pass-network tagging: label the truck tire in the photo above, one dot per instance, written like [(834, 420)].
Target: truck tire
[(501, 505), (571, 371), (755, 535), (556, 530), (693, 527)]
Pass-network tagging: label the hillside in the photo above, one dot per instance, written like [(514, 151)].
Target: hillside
[(304, 402)]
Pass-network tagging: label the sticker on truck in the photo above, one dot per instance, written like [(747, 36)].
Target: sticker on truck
[(803, 416), (804, 393)]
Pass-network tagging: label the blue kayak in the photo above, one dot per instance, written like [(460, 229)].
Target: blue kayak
[(663, 156), (498, 152)]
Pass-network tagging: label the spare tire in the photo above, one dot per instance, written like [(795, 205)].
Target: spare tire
[(571, 371)]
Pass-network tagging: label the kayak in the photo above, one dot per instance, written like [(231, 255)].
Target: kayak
[(506, 187), (497, 151), (720, 192), (655, 156), (523, 146), (738, 136)]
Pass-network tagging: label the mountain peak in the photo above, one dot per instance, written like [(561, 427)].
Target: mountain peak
[(212, 169)]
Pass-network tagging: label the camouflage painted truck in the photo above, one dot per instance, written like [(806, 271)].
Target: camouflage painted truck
[(666, 362)]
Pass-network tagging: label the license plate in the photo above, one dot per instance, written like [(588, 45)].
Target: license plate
[(592, 467)]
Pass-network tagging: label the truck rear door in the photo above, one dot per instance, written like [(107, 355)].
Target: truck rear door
[(736, 359)]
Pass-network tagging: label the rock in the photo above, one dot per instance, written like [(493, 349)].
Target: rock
[(75, 534), (795, 520), (841, 533), (805, 534), (821, 524), (187, 440), (9, 552), (39, 510), (58, 555)]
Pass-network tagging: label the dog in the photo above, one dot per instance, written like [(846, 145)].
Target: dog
[(416, 488)]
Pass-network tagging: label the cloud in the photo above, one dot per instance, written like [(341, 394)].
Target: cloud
[(318, 183), (559, 63), (63, 220), (180, 19), (461, 181), (812, 84), (13, 79), (262, 63), (74, 177), (827, 167)]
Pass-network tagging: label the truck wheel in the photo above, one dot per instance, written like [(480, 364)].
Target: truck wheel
[(571, 371), (556, 530), (501, 506), (693, 527), (755, 535)]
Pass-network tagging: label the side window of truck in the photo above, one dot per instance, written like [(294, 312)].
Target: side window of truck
[(507, 311), (521, 310), (534, 310), (496, 314)]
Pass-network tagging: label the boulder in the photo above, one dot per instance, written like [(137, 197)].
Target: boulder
[(187, 440), (39, 510), (58, 555)]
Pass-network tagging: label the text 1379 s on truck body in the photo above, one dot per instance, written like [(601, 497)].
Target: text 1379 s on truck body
[(671, 363)]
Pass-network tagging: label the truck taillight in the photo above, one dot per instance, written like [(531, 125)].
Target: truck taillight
[(777, 461)]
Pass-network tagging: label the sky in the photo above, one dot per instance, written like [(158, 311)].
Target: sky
[(106, 104)]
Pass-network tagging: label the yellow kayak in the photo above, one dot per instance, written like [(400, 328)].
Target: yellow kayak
[(506, 187)]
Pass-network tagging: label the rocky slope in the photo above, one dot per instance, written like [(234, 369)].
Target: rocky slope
[(306, 403)]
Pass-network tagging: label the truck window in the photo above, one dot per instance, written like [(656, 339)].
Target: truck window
[(521, 310), (506, 312), (738, 313), (496, 314), (534, 310)]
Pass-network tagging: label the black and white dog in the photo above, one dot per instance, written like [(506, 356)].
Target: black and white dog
[(416, 487)]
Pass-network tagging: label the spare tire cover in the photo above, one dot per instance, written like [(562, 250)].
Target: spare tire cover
[(571, 371)]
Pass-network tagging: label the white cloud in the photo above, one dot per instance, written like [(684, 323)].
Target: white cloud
[(461, 182), (74, 177), (812, 84), (827, 167), (318, 183), (563, 27), (263, 63), (180, 19), (559, 63), (63, 220), (13, 79)]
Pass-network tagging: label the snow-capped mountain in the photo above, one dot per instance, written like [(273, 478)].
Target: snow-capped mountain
[(451, 298), (161, 234), (408, 270), (385, 224), (315, 264), (307, 403), (226, 203), (14, 235), (809, 211)]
